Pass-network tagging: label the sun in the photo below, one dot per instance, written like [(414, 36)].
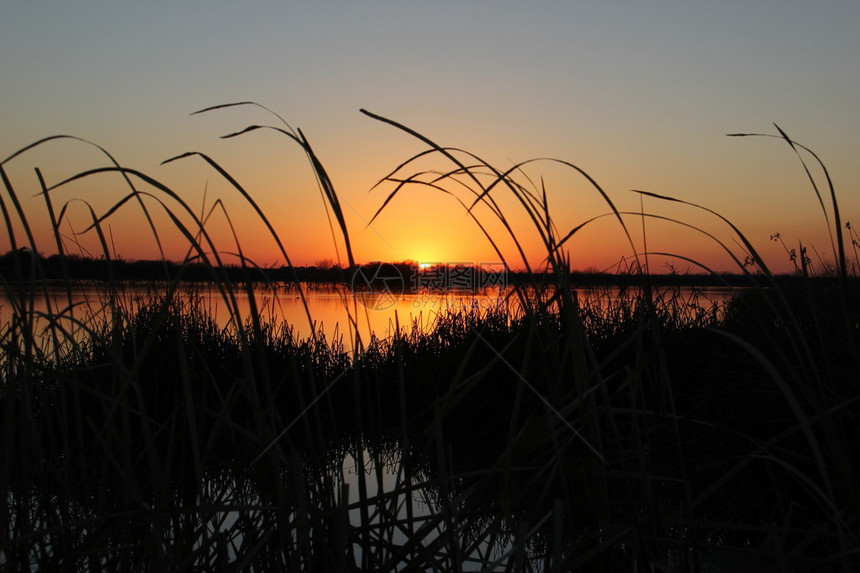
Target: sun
[(423, 266)]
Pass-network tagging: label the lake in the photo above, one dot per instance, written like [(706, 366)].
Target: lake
[(334, 311), (415, 498)]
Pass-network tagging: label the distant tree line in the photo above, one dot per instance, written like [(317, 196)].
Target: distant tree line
[(25, 265)]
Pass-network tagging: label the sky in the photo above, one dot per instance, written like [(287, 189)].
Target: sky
[(639, 96)]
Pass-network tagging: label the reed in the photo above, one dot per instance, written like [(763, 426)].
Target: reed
[(637, 429)]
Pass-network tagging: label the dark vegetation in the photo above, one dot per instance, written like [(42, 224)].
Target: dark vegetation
[(76, 267), (566, 432)]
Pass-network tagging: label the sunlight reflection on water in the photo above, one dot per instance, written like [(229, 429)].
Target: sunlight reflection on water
[(334, 311)]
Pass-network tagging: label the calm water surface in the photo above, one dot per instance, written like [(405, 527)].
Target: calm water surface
[(331, 310), (410, 500)]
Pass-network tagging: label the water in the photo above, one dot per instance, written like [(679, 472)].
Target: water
[(396, 512), (334, 311)]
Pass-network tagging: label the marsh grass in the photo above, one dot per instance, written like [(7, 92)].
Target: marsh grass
[(639, 429)]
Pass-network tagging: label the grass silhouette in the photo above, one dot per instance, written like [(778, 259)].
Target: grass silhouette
[(625, 430)]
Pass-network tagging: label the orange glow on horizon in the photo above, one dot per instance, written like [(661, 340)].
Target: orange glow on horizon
[(420, 224), (625, 122)]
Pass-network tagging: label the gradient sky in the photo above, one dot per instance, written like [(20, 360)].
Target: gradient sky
[(640, 97)]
